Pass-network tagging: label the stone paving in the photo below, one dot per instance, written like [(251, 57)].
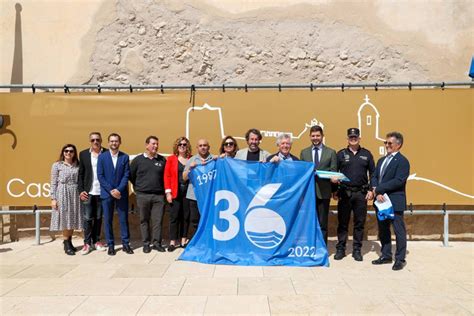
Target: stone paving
[(43, 280)]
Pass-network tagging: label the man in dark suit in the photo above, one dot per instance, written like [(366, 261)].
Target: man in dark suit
[(113, 172), (284, 142), (89, 188), (324, 158), (390, 177)]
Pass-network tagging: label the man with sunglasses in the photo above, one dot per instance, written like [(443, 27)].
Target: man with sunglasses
[(390, 177), (358, 165), (201, 158), (89, 188)]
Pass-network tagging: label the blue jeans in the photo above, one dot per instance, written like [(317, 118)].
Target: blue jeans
[(92, 219), (108, 205)]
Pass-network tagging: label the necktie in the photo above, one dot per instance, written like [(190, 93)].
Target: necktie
[(316, 157), (385, 164)]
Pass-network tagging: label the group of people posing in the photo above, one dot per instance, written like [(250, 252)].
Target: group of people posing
[(88, 187)]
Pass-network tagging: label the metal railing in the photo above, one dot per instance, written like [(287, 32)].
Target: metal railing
[(279, 86), (35, 211), (444, 212)]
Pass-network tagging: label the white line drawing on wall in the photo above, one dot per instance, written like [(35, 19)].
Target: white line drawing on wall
[(414, 177), (265, 133), (369, 120), (205, 107)]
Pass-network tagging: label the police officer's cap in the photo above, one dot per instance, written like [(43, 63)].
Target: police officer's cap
[(353, 132)]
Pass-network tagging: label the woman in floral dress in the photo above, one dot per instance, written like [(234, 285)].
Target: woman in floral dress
[(65, 203)]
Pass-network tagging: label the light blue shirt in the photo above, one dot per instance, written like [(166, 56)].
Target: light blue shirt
[(190, 193)]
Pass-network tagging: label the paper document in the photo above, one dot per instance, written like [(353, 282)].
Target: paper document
[(385, 208), (331, 174)]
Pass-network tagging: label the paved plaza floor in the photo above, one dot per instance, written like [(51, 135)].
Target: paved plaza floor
[(43, 280)]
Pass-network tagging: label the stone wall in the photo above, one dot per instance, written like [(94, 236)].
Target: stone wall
[(210, 41)]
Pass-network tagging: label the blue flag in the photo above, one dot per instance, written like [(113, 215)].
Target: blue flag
[(256, 214)]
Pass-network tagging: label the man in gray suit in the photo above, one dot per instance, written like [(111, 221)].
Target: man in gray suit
[(324, 158), (253, 152)]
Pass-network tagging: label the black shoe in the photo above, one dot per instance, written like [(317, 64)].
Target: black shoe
[(67, 248), (69, 240), (146, 248), (111, 251), (127, 249), (382, 260), (399, 265), (159, 248), (339, 254), (171, 248), (357, 255)]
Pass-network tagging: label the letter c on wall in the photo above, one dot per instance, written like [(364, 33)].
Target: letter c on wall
[(9, 184)]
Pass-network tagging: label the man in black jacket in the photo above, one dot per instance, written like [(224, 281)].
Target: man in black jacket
[(147, 176), (89, 188), (390, 177)]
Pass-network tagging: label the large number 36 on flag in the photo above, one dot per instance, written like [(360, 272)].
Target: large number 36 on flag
[(256, 214)]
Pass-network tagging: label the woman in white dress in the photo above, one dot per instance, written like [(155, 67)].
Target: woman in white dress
[(66, 213)]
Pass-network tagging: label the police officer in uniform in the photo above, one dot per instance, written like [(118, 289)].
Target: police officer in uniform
[(358, 165)]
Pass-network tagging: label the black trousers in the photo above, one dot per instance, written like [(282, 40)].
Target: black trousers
[(322, 210), (400, 236), (179, 217), (92, 219), (194, 213), (356, 202), (151, 208)]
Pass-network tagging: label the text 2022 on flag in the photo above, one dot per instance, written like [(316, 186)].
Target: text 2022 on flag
[(256, 214)]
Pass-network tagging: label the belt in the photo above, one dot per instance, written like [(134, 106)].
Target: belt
[(354, 189)]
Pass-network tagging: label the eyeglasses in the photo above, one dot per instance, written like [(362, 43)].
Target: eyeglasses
[(388, 143), (68, 151), (229, 144), (182, 145), (93, 140)]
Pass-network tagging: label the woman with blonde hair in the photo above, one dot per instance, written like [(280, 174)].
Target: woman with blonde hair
[(175, 189), (66, 213)]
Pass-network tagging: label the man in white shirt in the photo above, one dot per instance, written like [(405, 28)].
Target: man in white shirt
[(89, 188)]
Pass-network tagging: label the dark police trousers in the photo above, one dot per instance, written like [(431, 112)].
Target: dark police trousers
[(151, 207), (351, 201)]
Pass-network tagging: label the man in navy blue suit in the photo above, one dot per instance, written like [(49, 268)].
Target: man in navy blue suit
[(390, 177), (113, 172)]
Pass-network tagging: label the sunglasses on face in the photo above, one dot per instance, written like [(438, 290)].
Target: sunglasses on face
[(68, 151), (94, 140), (182, 145), (229, 144), (388, 143)]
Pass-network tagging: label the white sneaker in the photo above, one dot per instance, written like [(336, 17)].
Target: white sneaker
[(100, 246), (86, 249)]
